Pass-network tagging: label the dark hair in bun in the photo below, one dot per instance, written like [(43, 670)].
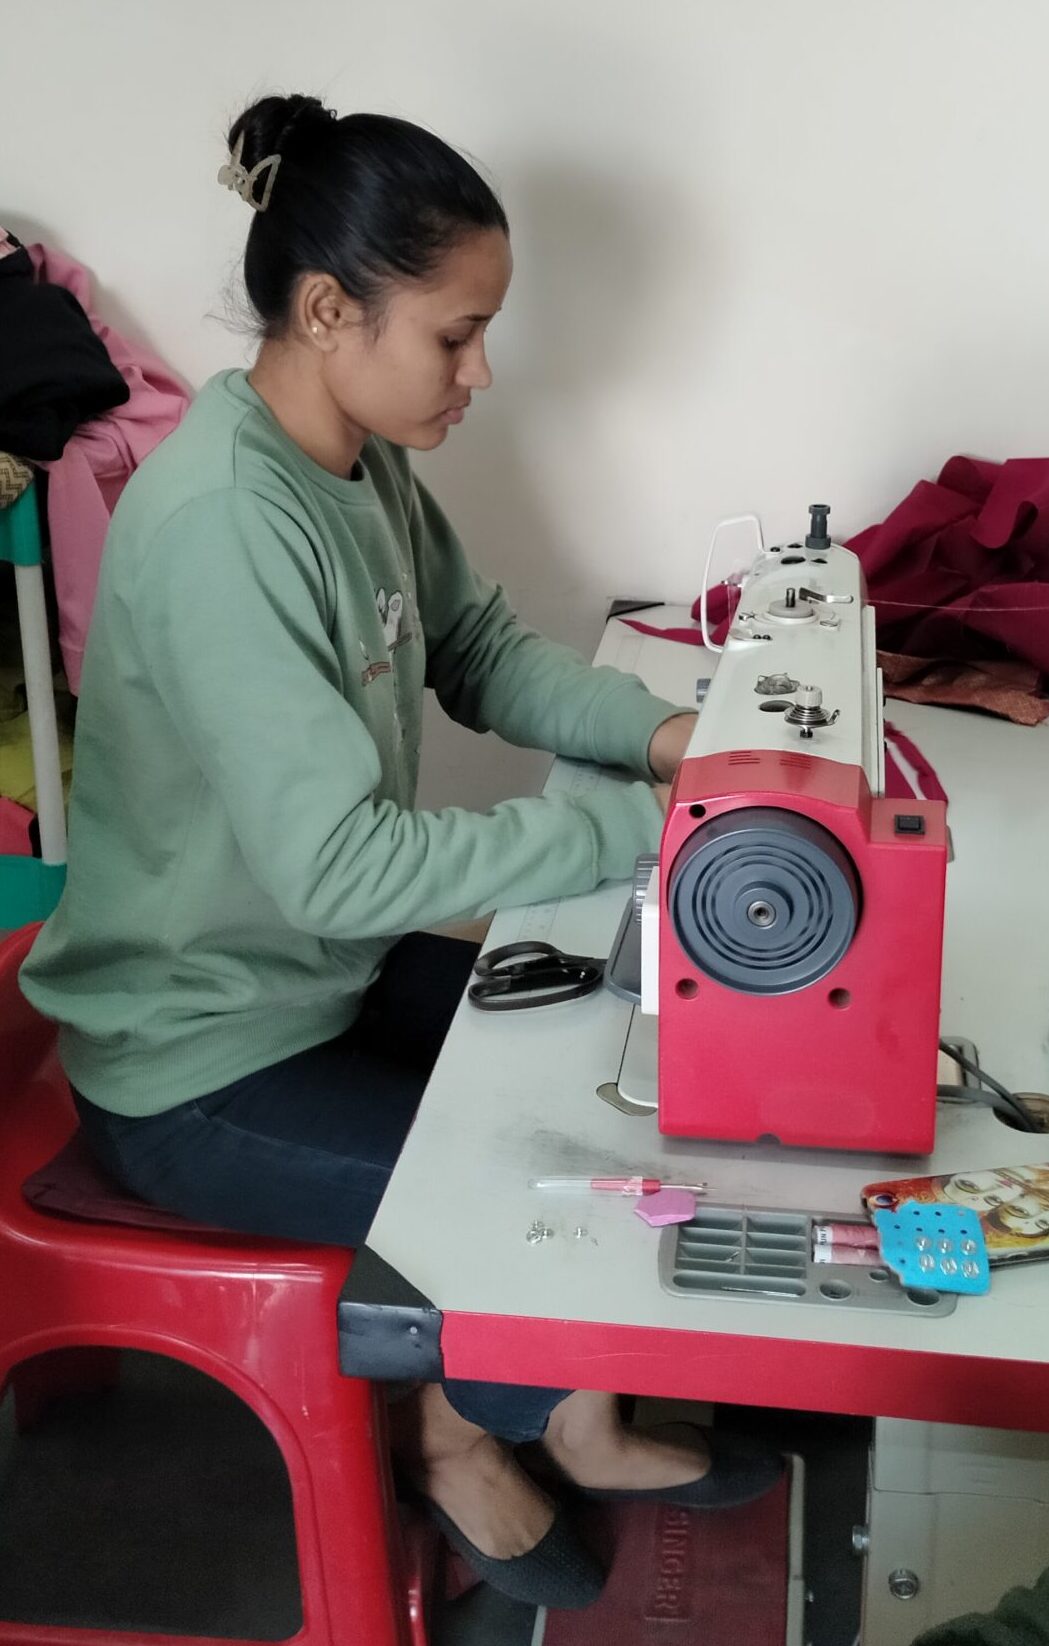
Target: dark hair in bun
[(367, 199)]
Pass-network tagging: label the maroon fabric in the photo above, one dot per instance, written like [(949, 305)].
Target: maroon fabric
[(686, 637), (960, 569), (722, 601), (74, 1185), (897, 786)]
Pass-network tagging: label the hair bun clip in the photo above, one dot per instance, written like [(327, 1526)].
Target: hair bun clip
[(235, 176)]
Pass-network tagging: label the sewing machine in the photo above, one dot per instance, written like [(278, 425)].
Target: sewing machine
[(791, 932)]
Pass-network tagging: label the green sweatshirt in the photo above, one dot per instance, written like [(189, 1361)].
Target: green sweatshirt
[(243, 848)]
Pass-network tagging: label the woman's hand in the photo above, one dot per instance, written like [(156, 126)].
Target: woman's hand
[(662, 794), (668, 744)]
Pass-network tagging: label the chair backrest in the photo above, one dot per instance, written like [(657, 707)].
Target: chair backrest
[(36, 1108), (26, 1038)]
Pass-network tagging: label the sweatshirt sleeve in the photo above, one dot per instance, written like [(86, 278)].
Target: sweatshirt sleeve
[(491, 673), (229, 610)]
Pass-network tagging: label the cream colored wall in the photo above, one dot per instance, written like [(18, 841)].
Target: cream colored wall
[(767, 250)]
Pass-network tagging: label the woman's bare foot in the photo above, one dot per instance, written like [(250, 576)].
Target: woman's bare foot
[(469, 1474), (588, 1442)]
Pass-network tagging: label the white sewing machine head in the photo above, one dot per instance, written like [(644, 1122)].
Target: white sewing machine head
[(791, 934), (798, 668)]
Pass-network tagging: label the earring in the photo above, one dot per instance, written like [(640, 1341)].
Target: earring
[(315, 330)]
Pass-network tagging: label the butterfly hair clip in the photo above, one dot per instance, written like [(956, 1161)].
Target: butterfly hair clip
[(235, 175)]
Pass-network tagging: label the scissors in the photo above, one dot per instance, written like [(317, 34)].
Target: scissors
[(522, 975)]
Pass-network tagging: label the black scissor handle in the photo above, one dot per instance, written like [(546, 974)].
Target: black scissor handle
[(527, 974), (500, 960)]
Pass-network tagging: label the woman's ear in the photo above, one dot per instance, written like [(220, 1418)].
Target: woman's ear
[(322, 310)]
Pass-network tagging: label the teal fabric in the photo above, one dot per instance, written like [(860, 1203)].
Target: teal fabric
[(20, 540)]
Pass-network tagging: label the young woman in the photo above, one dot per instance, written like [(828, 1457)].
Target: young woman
[(248, 1014)]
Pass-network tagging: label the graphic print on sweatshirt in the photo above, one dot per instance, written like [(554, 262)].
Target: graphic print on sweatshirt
[(391, 616)]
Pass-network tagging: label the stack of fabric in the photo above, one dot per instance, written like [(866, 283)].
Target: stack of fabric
[(81, 402), (959, 578), (82, 406)]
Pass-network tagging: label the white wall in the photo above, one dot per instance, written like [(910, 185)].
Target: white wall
[(767, 250)]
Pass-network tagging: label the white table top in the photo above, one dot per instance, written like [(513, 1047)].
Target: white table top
[(514, 1097)]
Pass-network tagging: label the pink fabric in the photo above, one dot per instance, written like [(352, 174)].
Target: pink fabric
[(86, 481), (14, 829)]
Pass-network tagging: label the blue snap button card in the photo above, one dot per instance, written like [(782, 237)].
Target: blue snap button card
[(941, 1247)]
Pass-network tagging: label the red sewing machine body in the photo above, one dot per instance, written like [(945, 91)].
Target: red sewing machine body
[(800, 936)]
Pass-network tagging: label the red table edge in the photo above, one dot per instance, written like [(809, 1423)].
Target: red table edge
[(748, 1371)]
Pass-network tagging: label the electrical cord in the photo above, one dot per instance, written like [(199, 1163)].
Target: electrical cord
[(997, 1096)]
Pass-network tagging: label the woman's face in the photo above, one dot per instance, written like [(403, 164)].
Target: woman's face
[(410, 379)]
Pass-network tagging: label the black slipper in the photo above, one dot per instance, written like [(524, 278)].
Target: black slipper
[(559, 1572), (741, 1471)]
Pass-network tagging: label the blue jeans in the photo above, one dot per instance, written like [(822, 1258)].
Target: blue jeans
[(303, 1150)]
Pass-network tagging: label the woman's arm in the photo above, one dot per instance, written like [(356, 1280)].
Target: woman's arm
[(491, 673)]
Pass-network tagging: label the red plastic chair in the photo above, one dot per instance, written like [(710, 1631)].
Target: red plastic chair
[(256, 1315)]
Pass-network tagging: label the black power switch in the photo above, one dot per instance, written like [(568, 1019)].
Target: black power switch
[(909, 823)]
